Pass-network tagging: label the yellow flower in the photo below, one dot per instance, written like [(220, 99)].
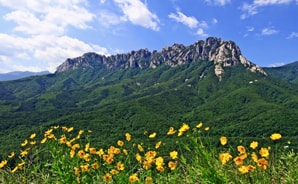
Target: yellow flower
[(141, 149), (138, 157), (32, 142), (81, 132), (24, 153), (159, 161), (25, 142), (70, 129), (15, 169), (199, 125), (107, 177), (133, 178), (207, 129), (32, 136), (125, 151), (11, 155), (75, 146), (120, 143), (72, 153), (243, 169), (174, 154), (63, 139), (153, 135), (128, 136), (81, 153), (172, 165), (120, 166), (251, 168), (148, 180), (87, 147), (225, 157), (254, 157), (95, 166), (3, 163), (275, 136), (114, 171), (238, 161), (183, 129), (241, 149), (223, 140), (76, 171), (262, 163), (43, 140), (157, 145), (85, 168), (264, 152), (92, 150), (254, 144), (171, 131)]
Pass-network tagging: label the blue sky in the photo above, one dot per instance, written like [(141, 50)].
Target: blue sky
[(38, 35)]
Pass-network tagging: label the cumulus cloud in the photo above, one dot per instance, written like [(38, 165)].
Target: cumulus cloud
[(269, 31), (252, 8), (293, 35), (38, 41), (138, 13), (200, 32), (218, 2), (191, 22)]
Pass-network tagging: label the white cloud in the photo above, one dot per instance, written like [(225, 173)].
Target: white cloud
[(137, 13), (276, 64), (270, 2), (214, 21), (293, 35), (43, 43), (42, 52), (269, 31), (218, 2), (200, 32), (250, 29), (251, 9), (191, 22)]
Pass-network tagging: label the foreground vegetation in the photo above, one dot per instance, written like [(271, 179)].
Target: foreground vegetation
[(65, 155)]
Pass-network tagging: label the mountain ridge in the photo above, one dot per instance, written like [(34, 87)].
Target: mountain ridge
[(221, 53)]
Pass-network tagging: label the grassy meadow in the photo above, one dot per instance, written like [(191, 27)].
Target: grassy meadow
[(63, 154)]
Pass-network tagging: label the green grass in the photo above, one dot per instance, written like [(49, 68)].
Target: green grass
[(181, 154)]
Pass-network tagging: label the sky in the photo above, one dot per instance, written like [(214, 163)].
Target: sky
[(39, 35)]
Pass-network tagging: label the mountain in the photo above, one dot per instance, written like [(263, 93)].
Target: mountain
[(209, 81), (19, 74), (287, 72)]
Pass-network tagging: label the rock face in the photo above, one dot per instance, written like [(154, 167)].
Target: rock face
[(221, 53)]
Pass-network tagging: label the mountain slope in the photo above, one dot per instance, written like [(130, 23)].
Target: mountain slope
[(111, 100), (287, 72), (18, 75)]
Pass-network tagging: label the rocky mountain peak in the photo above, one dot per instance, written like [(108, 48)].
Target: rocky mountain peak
[(221, 53)]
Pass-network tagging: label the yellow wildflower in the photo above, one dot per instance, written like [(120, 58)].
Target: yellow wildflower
[(125, 151), (207, 129), (251, 168), (157, 145), (241, 149), (225, 157), (171, 131), (133, 178), (264, 152), (275, 136), (199, 125), (76, 171), (11, 155), (114, 171), (32, 142), (262, 163), (254, 144), (254, 157), (148, 180), (120, 143), (70, 129), (172, 165), (174, 154), (3, 163), (238, 160), (107, 177), (24, 153), (95, 165), (243, 169), (183, 129), (138, 157), (43, 140), (120, 166), (128, 136), (25, 142), (141, 149), (223, 140), (15, 169), (153, 135), (85, 168), (63, 139), (87, 147), (32, 136)]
